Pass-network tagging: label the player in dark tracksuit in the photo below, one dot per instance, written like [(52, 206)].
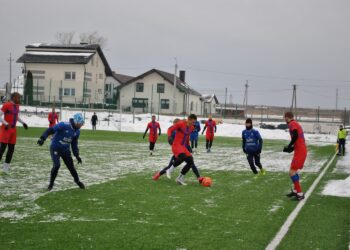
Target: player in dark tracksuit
[(65, 136), (252, 145), (194, 136), (94, 120)]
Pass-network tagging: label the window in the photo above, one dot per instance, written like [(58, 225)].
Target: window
[(164, 103), (139, 87), (160, 87), (191, 106), (101, 76), (92, 61), (139, 102), (67, 92), (69, 75)]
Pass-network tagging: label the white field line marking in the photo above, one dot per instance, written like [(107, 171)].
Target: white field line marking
[(284, 229)]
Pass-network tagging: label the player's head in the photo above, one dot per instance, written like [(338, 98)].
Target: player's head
[(249, 123), (16, 97), (153, 118), (78, 120), (288, 117), (191, 119), (210, 117), (176, 120), (341, 127)]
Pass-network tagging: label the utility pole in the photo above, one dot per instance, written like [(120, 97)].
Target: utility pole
[(10, 60), (225, 102), (294, 101), (336, 103), (245, 101), (174, 100)]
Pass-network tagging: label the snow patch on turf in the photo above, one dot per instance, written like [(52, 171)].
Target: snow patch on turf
[(343, 163), (339, 188), (275, 206)]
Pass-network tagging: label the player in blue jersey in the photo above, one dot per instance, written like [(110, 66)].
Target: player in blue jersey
[(65, 136), (252, 145), (194, 136)]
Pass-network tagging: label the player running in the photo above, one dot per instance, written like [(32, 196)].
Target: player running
[(342, 133), (181, 152), (297, 144), (252, 145), (8, 132), (65, 136), (210, 126), (153, 128), (194, 136), (53, 118), (169, 169)]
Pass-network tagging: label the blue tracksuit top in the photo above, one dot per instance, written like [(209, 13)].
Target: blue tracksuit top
[(197, 129), (252, 141), (65, 136)]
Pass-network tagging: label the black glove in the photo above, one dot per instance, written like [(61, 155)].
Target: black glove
[(170, 140), (259, 152), (41, 141), (79, 160), (25, 126), (159, 134), (288, 149)]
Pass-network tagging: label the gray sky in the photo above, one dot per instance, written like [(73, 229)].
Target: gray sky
[(220, 44)]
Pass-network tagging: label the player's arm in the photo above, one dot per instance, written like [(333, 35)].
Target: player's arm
[(75, 149), (205, 127), (215, 127), (294, 137), (243, 143), (171, 130), (199, 127), (160, 131), (49, 131), (260, 140), (25, 126), (145, 132), (2, 120)]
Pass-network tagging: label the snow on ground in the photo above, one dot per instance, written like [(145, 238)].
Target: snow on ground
[(126, 122), (340, 187)]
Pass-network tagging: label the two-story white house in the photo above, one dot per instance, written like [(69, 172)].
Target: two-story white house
[(154, 92), (75, 74)]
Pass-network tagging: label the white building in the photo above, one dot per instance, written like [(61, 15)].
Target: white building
[(75, 74), (154, 92), (209, 103)]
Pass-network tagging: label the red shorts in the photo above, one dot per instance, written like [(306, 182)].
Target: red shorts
[(298, 159), (209, 137), (179, 149), (152, 138), (8, 136)]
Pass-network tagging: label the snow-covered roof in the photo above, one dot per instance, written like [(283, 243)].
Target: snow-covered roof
[(209, 98), (49, 53)]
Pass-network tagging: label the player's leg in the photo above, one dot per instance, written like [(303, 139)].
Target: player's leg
[(2, 149), (189, 165), (11, 141), (250, 158), (192, 143), (55, 167), (257, 162), (207, 144), (9, 154), (68, 160), (196, 142), (166, 170), (211, 143), (297, 163)]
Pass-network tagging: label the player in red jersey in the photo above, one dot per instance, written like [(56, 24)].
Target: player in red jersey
[(178, 144), (53, 118), (153, 128), (210, 126), (8, 137), (297, 144)]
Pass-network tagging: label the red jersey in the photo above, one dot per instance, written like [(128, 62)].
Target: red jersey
[(182, 138), (53, 118), (11, 111), (300, 142), (153, 131), (210, 124)]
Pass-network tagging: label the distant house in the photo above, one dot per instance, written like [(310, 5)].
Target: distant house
[(111, 87), (208, 104), (75, 74), (154, 92)]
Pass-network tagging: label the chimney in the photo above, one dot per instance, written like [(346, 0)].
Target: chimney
[(182, 75)]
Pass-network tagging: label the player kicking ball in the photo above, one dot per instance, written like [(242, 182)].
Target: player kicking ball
[(8, 132), (153, 128), (252, 145), (297, 144), (169, 169), (65, 136), (180, 148)]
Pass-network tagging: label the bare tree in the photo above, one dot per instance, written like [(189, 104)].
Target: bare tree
[(65, 37), (93, 38)]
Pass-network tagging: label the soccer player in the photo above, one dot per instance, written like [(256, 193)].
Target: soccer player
[(210, 126), (168, 170), (252, 145), (153, 128), (94, 120), (342, 133), (194, 136), (183, 130), (65, 136), (297, 144), (8, 133), (53, 118)]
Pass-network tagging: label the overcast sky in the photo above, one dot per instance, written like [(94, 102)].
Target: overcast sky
[(220, 44)]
